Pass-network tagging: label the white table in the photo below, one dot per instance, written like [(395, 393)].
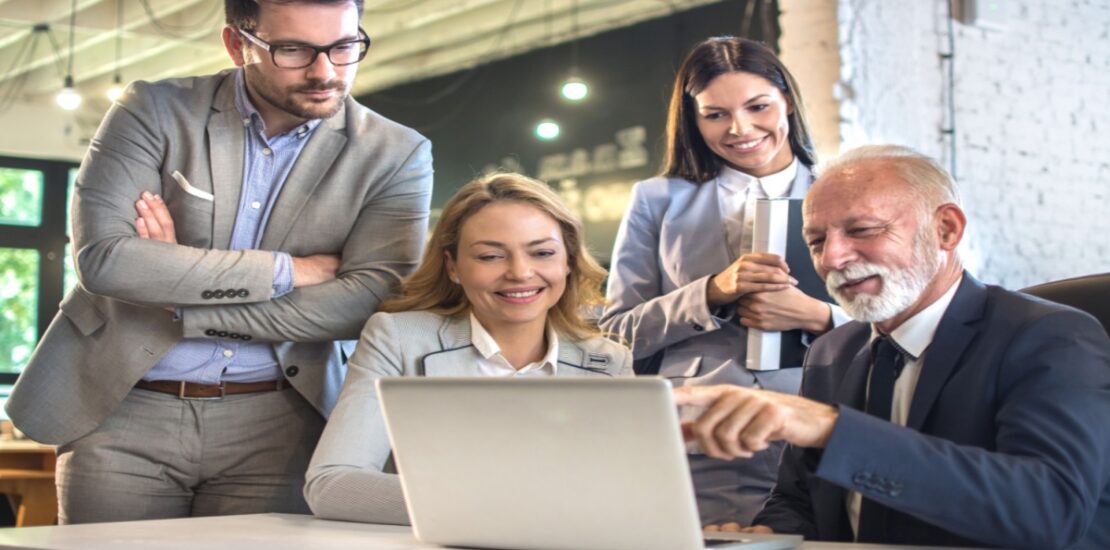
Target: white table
[(251, 532)]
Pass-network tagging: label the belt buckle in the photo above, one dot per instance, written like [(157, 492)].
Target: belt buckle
[(181, 393)]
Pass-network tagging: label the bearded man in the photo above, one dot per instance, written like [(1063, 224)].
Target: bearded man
[(228, 229), (953, 413)]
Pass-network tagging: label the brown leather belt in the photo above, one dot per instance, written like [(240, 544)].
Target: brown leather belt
[(189, 390)]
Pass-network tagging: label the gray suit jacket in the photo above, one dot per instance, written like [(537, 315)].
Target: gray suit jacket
[(671, 240), (349, 475), (361, 188)]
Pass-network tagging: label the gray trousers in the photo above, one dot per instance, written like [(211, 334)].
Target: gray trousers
[(734, 490), (158, 456)]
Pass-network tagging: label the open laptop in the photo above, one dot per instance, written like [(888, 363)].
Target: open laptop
[(536, 464)]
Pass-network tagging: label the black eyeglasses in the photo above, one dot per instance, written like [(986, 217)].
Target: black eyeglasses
[(300, 56)]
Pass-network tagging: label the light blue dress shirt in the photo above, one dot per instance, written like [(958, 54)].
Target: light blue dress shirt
[(266, 164)]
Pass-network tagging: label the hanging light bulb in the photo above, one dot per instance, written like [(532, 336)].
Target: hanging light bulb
[(68, 98), (574, 89), (116, 89), (547, 129)]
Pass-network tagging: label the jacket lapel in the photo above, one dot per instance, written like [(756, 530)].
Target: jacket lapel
[(457, 356), (309, 169), (225, 156), (853, 387), (704, 211), (953, 335)]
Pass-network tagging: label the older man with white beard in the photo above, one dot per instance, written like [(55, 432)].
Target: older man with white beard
[(955, 413)]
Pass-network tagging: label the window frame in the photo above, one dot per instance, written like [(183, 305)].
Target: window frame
[(49, 238)]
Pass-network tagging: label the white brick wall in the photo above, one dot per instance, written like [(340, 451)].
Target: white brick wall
[(810, 49), (1033, 137), (1032, 115)]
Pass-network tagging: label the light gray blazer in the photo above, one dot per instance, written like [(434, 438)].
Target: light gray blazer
[(670, 242), (361, 188), (350, 477)]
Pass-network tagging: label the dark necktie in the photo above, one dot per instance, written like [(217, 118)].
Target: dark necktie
[(886, 365)]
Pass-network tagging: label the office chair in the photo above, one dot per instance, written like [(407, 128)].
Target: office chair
[(1090, 293)]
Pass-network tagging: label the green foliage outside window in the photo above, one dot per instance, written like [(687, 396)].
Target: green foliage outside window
[(20, 197), (70, 272), (19, 275)]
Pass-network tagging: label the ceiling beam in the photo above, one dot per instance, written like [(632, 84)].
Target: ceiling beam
[(430, 38)]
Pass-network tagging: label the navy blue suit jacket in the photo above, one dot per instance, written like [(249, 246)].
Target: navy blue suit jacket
[(1007, 441)]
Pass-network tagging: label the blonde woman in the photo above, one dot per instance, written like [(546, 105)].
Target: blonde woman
[(498, 293)]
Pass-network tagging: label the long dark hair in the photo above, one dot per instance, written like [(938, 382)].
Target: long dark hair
[(687, 155)]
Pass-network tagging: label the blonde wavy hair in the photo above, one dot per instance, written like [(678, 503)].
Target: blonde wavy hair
[(430, 288)]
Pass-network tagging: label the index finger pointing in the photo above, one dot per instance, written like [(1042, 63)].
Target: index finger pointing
[(697, 395)]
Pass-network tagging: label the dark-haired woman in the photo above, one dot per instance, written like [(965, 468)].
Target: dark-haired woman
[(680, 292)]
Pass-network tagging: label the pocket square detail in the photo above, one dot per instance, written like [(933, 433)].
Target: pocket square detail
[(185, 186)]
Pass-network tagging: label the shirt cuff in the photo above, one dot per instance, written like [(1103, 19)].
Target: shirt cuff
[(723, 314), (839, 317), (283, 274)]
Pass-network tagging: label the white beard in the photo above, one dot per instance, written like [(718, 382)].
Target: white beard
[(900, 287)]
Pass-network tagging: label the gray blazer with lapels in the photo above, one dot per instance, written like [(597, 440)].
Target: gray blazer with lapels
[(360, 188), (670, 242), (348, 478)]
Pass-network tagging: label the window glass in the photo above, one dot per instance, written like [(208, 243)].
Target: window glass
[(20, 197), (69, 274), (71, 180), (19, 282), (69, 271)]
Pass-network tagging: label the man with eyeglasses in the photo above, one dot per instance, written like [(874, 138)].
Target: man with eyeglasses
[(228, 230)]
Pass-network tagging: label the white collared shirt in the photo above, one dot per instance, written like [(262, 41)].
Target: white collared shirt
[(736, 190), (493, 363), (913, 338)]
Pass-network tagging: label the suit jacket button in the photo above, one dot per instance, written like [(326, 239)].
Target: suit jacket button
[(222, 334), (217, 293), (210, 332), (231, 293), (245, 337), (698, 327), (243, 293), (861, 478), (233, 335), (292, 371), (206, 295)]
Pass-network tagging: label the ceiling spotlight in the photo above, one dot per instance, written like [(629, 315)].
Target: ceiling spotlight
[(116, 89), (68, 98), (547, 129), (574, 89)]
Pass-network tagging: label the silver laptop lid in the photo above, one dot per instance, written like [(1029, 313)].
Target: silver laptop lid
[(542, 463)]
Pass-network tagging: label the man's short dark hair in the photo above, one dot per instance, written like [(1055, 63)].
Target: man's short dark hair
[(243, 14)]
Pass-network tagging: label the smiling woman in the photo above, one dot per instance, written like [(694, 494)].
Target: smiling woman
[(685, 286), (499, 292)]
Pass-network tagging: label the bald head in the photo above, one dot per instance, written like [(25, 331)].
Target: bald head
[(883, 223)]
